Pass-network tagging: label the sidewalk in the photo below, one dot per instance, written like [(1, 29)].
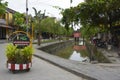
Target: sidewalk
[(86, 70), (3, 41)]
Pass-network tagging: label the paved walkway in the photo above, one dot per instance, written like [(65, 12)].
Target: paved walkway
[(86, 70)]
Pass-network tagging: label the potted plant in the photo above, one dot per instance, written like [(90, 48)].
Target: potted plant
[(19, 59)]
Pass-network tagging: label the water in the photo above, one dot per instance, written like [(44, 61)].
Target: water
[(77, 57), (75, 52)]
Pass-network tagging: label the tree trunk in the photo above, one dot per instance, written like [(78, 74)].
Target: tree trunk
[(39, 39), (39, 36)]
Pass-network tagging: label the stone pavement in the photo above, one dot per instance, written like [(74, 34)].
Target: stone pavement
[(85, 70)]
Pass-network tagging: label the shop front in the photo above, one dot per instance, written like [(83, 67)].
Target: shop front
[(5, 31), (2, 33)]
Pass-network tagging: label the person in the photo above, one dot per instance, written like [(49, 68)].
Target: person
[(94, 40)]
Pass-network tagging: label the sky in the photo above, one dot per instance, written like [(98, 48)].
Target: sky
[(20, 6)]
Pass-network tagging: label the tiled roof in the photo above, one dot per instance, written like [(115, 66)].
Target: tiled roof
[(11, 10)]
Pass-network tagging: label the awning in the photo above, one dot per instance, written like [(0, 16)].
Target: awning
[(5, 26)]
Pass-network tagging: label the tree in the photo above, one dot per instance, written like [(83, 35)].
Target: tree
[(101, 14), (52, 26), (68, 17), (3, 6), (48, 24), (95, 13), (19, 20), (37, 19)]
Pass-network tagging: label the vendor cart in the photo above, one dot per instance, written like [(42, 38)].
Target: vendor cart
[(19, 53)]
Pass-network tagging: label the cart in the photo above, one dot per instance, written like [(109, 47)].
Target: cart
[(21, 61)]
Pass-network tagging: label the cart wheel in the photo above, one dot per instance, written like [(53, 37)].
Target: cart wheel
[(13, 71), (28, 69), (10, 70)]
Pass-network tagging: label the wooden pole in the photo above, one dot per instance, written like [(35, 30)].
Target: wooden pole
[(7, 18), (32, 31)]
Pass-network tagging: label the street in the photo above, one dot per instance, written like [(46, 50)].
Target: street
[(41, 70)]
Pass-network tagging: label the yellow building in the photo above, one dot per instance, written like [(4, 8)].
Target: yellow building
[(6, 22)]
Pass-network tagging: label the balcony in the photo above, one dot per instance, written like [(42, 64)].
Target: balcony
[(2, 21)]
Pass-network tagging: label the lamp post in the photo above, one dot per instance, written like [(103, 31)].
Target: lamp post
[(27, 14), (70, 2)]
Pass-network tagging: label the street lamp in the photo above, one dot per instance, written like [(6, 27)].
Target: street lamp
[(27, 14), (70, 2)]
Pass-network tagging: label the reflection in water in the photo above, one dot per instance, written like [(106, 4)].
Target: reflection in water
[(77, 56), (81, 43), (78, 48)]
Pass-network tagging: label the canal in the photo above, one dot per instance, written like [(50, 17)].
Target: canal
[(77, 52)]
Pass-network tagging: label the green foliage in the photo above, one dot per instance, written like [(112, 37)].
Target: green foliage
[(65, 53), (19, 20), (47, 25), (96, 54), (15, 55), (84, 53), (53, 26), (89, 31), (94, 13), (99, 12), (61, 30), (68, 17), (70, 33), (37, 20), (27, 52), (10, 51), (3, 6), (101, 58)]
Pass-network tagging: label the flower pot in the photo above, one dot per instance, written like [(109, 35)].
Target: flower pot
[(18, 67)]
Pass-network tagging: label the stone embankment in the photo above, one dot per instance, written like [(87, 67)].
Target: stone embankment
[(52, 49)]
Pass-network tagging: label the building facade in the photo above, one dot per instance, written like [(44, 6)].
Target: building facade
[(6, 20)]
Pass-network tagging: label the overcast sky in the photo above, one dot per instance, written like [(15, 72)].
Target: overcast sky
[(20, 5)]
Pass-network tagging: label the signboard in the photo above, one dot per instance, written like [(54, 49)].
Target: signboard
[(76, 34), (21, 40)]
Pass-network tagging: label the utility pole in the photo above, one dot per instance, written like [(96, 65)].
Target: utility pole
[(27, 14), (70, 3)]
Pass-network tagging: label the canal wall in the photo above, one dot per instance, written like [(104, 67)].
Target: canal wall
[(54, 48)]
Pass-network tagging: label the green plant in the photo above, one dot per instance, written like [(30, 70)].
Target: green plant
[(27, 53), (15, 55), (10, 52)]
